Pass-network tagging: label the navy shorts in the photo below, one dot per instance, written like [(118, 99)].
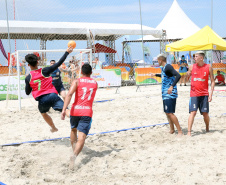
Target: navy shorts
[(169, 105), (199, 102), (60, 88), (47, 101), (82, 123)]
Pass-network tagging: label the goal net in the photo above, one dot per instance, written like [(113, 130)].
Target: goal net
[(14, 88)]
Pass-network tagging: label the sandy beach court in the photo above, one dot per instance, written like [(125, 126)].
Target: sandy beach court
[(144, 156)]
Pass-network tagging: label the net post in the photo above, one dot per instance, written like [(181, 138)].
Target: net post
[(10, 69), (18, 76), (80, 66), (90, 62)]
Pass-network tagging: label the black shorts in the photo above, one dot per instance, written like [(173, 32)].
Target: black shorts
[(169, 105), (82, 123), (60, 88), (199, 102), (47, 101)]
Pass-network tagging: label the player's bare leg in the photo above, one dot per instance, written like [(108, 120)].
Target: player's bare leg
[(73, 138), (63, 94), (185, 80), (172, 130), (78, 147), (181, 79), (80, 143), (49, 121), (191, 121), (174, 120), (206, 120)]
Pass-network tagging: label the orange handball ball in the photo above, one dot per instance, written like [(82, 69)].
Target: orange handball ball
[(71, 43)]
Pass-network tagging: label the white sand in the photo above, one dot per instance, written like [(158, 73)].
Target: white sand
[(145, 156)]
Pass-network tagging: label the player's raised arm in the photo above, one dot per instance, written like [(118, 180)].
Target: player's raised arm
[(68, 97), (48, 70)]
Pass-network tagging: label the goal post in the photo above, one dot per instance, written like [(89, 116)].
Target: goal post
[(19, 65)]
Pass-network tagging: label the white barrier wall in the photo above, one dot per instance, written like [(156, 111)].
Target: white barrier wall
[(107, 77), (13, 87)]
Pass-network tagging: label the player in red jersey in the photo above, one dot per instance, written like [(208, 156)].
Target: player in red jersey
[(220, 78), (39, 83), (199, 94), (81, 110)]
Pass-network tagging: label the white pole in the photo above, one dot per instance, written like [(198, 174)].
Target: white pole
[(59, 50), (18, 76), (141, 32), (7, 97), (8, 25), (91, 57), (10, 70), (80, 66), (211, 14)]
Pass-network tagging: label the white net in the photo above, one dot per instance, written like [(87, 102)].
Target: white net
[(19, 69), (113, 30)]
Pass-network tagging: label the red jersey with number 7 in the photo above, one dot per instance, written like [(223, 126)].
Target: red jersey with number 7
[(40, 84), (84, 97)]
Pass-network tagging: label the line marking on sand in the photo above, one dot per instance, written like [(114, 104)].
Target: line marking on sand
[(54, 139), (121, 130), (103, 101), (1, 183), (219, 90)]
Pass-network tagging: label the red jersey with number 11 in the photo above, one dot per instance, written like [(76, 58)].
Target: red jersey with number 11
[(40, 84), (84, 97)]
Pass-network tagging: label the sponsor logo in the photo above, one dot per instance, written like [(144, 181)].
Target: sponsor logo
[(81, 107), (166, 107), (199, 79), (87, 81), (194, 106)]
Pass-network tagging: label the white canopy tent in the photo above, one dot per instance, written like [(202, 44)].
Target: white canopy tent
[(176, 23), (71, 30)]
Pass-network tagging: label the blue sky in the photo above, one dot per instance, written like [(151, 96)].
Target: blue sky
[(106, 11)]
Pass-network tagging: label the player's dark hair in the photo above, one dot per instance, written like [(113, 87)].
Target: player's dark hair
[(52, 61), (218, 71), (32, 59), (86, 69)]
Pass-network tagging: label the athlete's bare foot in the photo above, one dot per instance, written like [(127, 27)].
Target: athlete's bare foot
[(207, 130), (180, 133), (189, 133), (53, 129), (171, 131), (72, 162)]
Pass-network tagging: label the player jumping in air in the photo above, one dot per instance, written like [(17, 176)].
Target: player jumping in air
[(81, 110), (39, 83)]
